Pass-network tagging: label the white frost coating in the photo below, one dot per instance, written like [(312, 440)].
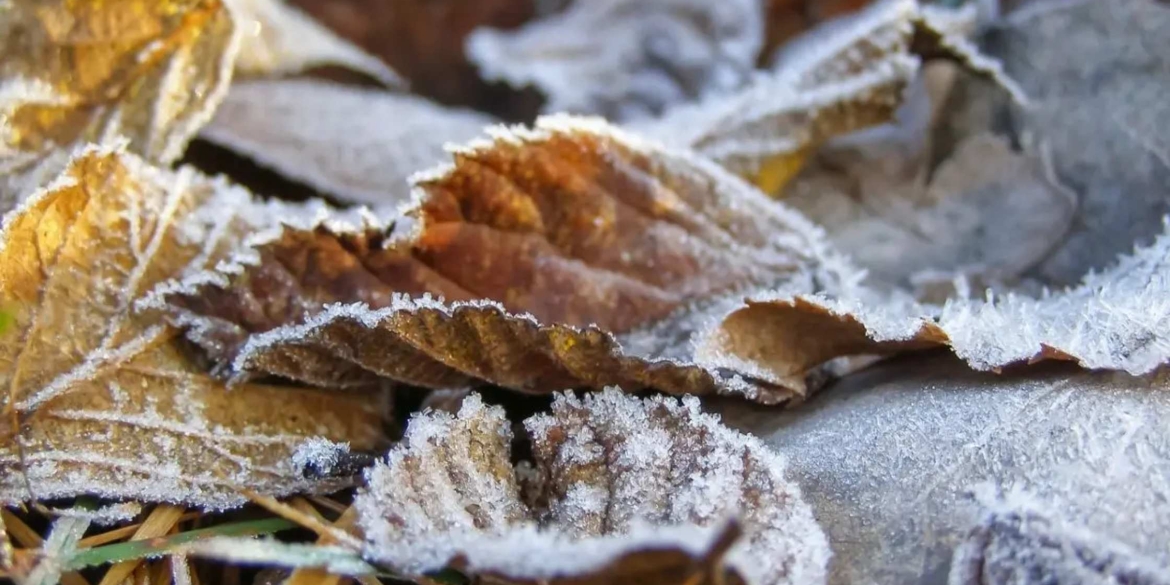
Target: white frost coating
[(626, 58), (355, 144), (319, 454), (1118, 319), (670, 476), (279, 39), (337, 560)]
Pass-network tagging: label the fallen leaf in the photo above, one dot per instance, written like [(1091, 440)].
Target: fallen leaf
[(544, 245), (619, 489), (279, 39), (987, 214), (1018, 544), (105, 397), (354, 144), (423, 40), (74, 73), (626, 59), (1097, 74), (886, 456), (845, 76)]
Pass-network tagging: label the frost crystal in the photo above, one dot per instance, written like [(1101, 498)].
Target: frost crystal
[(318, 456), (613, 475)]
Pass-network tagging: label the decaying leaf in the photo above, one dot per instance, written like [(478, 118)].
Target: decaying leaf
[(79, 72), (101, 398), (543, 245), (626, 59), (279, 39), (620, 489), (423, 40), (354, 144), (849, 76), (1017, 544), (788, 19)]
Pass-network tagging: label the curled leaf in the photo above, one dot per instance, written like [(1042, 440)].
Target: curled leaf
[(354, 144), (569, 256), (626, 58), (100, 397), (619, 488), (74, 73), (848, 75), (279, 39)]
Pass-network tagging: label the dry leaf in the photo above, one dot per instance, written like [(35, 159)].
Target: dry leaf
[(279, 39), (787, 19), (1017, 544), (626, 59), (848, 75), (620, 489), (354, 144), (107, 401), (544, 244), (424, 41), (151, 71)]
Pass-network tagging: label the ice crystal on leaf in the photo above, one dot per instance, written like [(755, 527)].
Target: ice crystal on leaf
[(548, 243), (620, 488), (99, 397)]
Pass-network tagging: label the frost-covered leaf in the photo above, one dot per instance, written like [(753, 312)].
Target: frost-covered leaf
[(279, 39), (336, 560), (1098, 74), (987, 213), (788, 19), (626, 59), (423, 40), (354, 144), (1018, 544), (544, 245), (886, 456), (75, 72), (620, 489), (1116, 320), (848, 75), (106, 399)]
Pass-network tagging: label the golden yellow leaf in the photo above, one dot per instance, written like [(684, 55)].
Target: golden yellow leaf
[(105, 399), (76, 71), (617, 489)]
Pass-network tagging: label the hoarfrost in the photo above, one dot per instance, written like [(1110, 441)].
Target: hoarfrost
[(613, 475), (318, 456)]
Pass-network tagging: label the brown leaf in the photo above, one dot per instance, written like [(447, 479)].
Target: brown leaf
[(626, 59), (106, 400), (279, 39), (72, 73), (354, 144), (544, 245), (424, 40), (620, 489)]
